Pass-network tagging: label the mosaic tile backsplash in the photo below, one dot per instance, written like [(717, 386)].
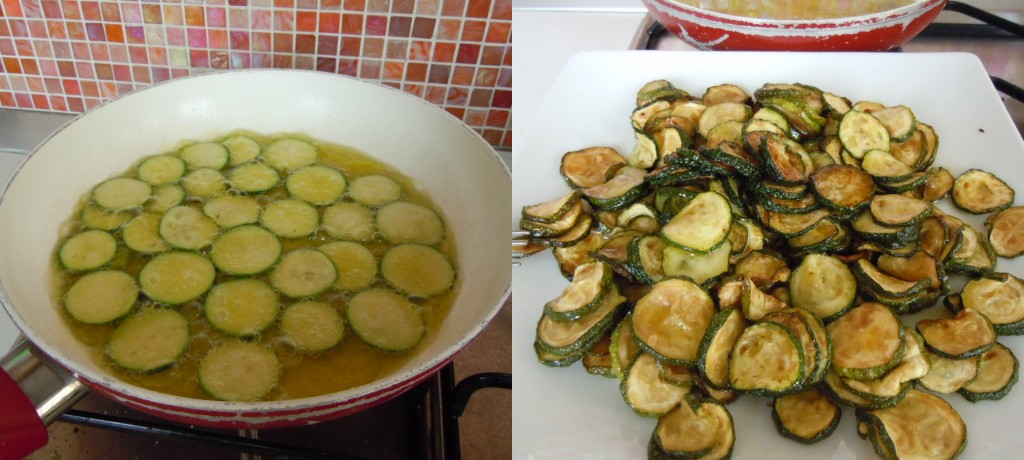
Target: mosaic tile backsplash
[(69, 56)]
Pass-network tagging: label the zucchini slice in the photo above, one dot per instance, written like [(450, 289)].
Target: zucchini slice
[(784, 160), (921, 425), (121, 193), (767, 360), (101, 297), (205, 155), (698, 267), (164, 197), (232, 210), (893, 210), (241, 307), (590, 167), (885, 167), (621, 190), (253, 177), (867, 341), (318, 185), (142, 234), (239, 371), (997, 373), (349, 221), (623, 347), (161, 169), (551, 211), (967, 334), (570, 257), (356, 264), (823, 285), (717, 344), (374, 190), (646, 392), (590, 283), (418, 271), (241, 149), (311, 326), (911, 367), (843, 188), (204, 183), (568, 337), (878, 284), (723, 112), (176, 277), (385, 320), (1004, 231), (807, 417), (185, 227), (702, 225), (245, 250), (405, 222), (899, 120), (798, 325), (646, 258), (671, 319), (1001, 300), (598, 360), (861, 132), (303, 273), (87, 250), (289, 154), (981, 192), (290, 218), (948, 375), (703, 431), (755, 303), (938, 185), (149, 341)]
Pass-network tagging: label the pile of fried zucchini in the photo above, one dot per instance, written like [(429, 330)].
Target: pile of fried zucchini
[(768, 244)]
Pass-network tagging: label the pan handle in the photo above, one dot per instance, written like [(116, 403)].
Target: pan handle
[(34, 394)]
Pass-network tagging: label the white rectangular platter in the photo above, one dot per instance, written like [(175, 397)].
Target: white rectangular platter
[(569, 414)]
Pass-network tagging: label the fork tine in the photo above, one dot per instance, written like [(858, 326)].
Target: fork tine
[(520, 234)]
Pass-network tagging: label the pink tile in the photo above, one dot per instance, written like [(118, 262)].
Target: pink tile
[(131, 12), (415, 90), (304, 62), (155, 34), (306, 4), (199, 58), (428, 7), (110, 11), (423, 27), (108, 89), (138, 55), (19, 28), (376, 25), (261, 41), (37, 29), (7, 46), (160, 74), (393, 70), (122, 73), (24, 47), (439, 74), (35, 84), (373, 47), (91, 11), (448, 29), (435, 94), (175, 72), (76, 105), (140, 74), (475, 117), (118, 53), (350, 46), (100, 51), (419, 50), (502, 10), (400, 26), (52, 9), (71, 87), (176, 36), (220, 60), (85, 70), (238, 2), (239, 40), (238, 18), (157, 55), (262, 20), (492, 55), (348, 67), (377, 6), (284, 21), (282, 61), (197, 37), (62, 49), (453, 8), (135, 34), (261, 61), (326, 64), (216, 17), (397, 49), (327, 45), (369, 68), (91, 103)]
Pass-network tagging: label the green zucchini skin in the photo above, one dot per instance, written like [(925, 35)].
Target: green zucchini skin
[(824, 433)]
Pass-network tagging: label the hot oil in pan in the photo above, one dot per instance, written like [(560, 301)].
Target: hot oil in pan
[(349, 364)]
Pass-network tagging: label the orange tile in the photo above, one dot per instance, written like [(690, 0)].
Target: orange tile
[(195, 16), (502, 10), (492, 55), (453, 8), (393, 70), (415, 90), (284, 3), (115, 32), (423, 27), (110, 11), (330, 4), (351, 46), (12, 65), (492, 136), (12, 8), (499, 31), (282, 61), (416, 71), (444, 52), (369, 68), (355, 5), (330, 23), (419, 50), (351, 23), (458, 112), (480, 97), (475, 117), (486, 77), (152, 14), (497, 118), (217, 38), (439, 74), (305, 21), (428, 7), (478, 8), (305, 43), (40, 101), (173, 15), (373, 47), (434, 94), (283, 42), (397, 49), (463, 75), (348, 67), (448, 29), (473, 31)]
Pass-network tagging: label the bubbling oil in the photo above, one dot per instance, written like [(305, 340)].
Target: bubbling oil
[(349, 364)]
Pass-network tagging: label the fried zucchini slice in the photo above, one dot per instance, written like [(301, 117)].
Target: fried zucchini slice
[(703, 431), (997, 373), (948, 375), (807, 417), (981, 192), (568, 337), (551, 211), (893, 210), (919, 426), (702, 225), (716, 346), (590, 166), (843, 188), (1000, 299), (670, 320), (644, 390), (590, 283), (1005, 232), (767, 360), (967, 334), (822, 284), (860, 132), (867, 341)]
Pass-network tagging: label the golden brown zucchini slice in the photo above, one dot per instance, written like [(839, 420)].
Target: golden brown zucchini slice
[(1006, 231), (1000, 299), (551, 211), (893, 210), (967, 334), (861, 132), (702, 225), (645, 391), (671, 319), (590, 283), (590, 166), (878, 284), (912, 366), (823, 285), (622, 190), (938, 184), (807, 417), (948, 375), (704, 431), (981, 192), (561, 226), (919, 426), (623, 346), (843, 188), (716, 346), (567, 337), (867, 341), (997, 373), (767, 360)]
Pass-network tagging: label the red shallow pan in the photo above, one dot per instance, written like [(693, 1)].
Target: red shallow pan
[(458, 169), (709, 30)]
